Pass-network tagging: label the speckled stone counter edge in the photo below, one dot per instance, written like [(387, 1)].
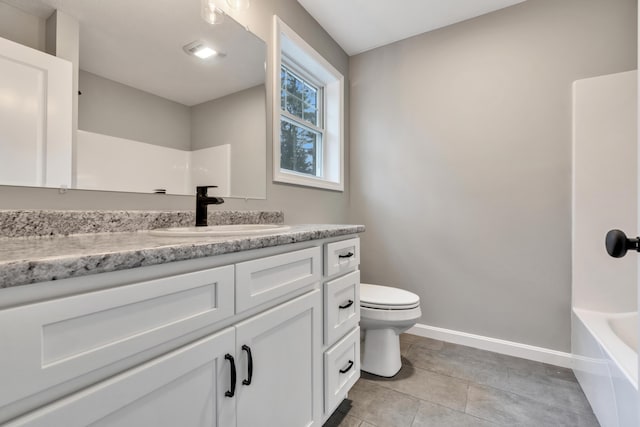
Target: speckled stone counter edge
[(27, 271), (33, 223)]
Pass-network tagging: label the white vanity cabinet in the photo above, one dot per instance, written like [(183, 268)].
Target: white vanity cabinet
[(209, 382), (181, 341)]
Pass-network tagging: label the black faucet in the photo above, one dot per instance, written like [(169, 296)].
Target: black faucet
[(202, 201)]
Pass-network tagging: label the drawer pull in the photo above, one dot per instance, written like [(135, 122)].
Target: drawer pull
[(249, 365), (347, 305), (345, 370), (232, 392), (347, 255)]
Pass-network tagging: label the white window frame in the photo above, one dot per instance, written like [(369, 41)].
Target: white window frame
[(290, 48)]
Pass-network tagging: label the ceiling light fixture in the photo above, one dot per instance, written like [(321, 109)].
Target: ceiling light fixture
[(210, 13), (239, 4), (200, 50), (205, 52)]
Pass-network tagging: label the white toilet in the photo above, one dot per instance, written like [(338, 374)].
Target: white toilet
[(384, 314)]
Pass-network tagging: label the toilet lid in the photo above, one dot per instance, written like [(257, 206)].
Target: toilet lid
[(375, 296)]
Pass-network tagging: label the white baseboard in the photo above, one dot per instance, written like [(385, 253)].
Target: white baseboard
[(510, 348)]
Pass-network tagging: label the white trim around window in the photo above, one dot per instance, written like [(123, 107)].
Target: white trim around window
[(290, 48)]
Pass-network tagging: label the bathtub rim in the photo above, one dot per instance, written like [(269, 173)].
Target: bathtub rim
[(617, 350)]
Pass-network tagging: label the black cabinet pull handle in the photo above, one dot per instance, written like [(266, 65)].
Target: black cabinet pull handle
[(345, 370), (617, 243), (232, 392), (347, 255), (249, 365), (347, 305)]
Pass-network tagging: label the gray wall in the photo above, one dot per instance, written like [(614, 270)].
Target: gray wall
[(114, 109), (21, 27), (237, 119), (461, 162), (299, 204)]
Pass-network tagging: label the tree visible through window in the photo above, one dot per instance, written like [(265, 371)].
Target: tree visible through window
[(301, 130)]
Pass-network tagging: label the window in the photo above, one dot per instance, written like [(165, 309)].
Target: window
[(308, 114), (301, 126)]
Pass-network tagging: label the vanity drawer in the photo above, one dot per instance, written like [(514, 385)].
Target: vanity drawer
[(264, 279), (341, 369), (48, 343), (342, 256), (341, 306)]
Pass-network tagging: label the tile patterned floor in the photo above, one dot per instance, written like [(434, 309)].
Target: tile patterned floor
[(443, 384)]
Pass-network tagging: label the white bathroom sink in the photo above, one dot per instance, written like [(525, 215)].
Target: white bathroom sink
[(219, 230)]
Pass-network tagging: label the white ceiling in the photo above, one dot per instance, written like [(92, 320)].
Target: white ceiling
[(361, 25), (139, 43)]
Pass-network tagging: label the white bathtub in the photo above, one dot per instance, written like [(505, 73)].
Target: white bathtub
[(605, 348)]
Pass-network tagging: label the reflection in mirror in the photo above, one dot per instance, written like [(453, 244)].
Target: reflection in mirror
[(152, 115)]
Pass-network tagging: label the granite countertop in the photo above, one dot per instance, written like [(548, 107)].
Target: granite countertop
[(32, 222), (26, 260)]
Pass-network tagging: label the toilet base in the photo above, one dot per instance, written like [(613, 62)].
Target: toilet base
[(380, 354)]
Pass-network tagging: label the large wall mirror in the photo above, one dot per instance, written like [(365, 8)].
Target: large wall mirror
[(152, 115)]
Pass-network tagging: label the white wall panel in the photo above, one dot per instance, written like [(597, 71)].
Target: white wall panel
[(605, 190), (211, 166), (119, 164)]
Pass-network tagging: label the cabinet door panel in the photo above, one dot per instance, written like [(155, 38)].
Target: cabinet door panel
[(286, 387), (183, 388), (58, 340)]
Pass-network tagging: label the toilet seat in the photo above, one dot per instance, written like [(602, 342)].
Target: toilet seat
[(388, 306), (375, 317), (386, 298)]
